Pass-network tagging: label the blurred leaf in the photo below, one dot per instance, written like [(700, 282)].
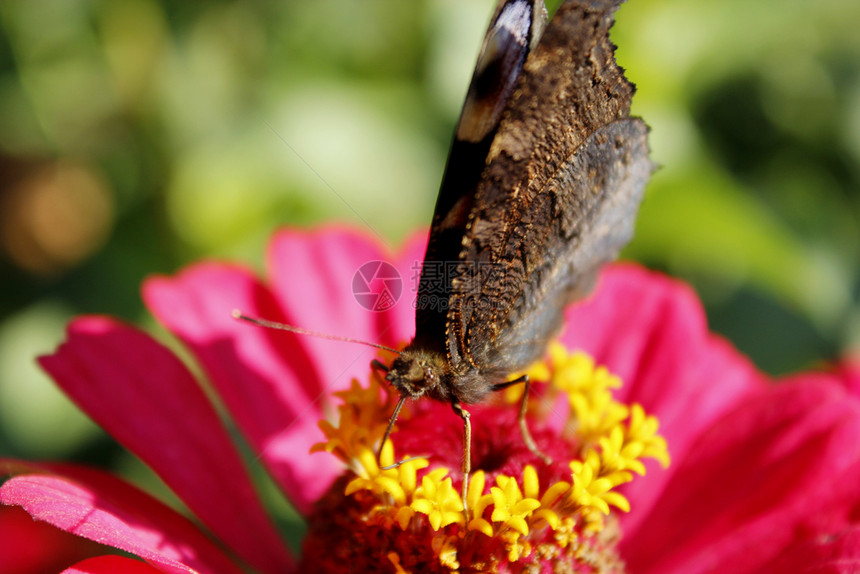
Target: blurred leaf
[(701, 223)]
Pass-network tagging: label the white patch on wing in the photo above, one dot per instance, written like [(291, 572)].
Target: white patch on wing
[(516, 19)]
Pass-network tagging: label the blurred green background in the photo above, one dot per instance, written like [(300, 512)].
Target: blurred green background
[(139, 135)]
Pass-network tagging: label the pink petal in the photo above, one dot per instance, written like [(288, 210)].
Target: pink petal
[(102, 508), (826, 554), (145, 397), (401, 318), (266, 378), (111, 565), (849, 371), (312, 277), (650, 330), (779, 469), (276, 384)]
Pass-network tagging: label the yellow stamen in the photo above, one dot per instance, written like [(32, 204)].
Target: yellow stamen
[(610, 441), (438, 500), (399, 483)]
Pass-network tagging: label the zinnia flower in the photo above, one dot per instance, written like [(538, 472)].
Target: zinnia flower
[(764, 474)]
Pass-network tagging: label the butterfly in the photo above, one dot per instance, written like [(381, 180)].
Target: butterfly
[(544, 178), (543, 181)]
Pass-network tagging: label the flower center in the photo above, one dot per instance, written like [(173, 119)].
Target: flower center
[(518, 510)]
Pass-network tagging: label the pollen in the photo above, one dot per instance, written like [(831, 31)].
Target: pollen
[(412, 518)]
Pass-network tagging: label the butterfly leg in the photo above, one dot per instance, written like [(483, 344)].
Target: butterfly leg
[(524, 428), (387, 434), (383, 368), (521, 418), (467, 449)]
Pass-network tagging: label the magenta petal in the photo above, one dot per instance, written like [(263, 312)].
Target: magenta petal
[(111, 565), (849, 371), (30, 546), (778, 470), (100, 507), (312, 277), (400, 320), (275, 383), (827, 554), (145, 397), (650, 330), (266, 378)]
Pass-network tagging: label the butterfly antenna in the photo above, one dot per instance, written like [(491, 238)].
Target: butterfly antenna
[(237, 314)]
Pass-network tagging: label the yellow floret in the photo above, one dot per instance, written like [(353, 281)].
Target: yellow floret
[(438, 500)]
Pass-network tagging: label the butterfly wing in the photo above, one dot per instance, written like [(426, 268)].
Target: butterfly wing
[(564, 177), (514, 29)]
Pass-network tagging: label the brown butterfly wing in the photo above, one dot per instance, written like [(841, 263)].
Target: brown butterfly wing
[(514, 29), (564, 177)]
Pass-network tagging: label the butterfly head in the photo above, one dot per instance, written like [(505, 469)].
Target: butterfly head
[(416, 373)]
